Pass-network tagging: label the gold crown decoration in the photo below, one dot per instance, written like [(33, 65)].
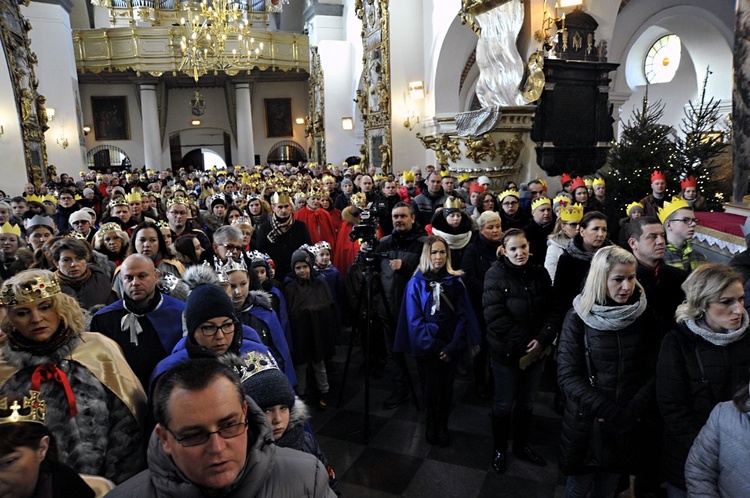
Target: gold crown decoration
[(562, 200), (90, 182), (463, 177), (177, 199), (588, 182), (50, 198), (150, 172), (358, 199), (118, 201), (31, 291), (328, 178), (671, 207), (506, 193), (378, 176), (75, 235), (255, 362), (242, 220), (599, 181), (163, 225), (110, 227), (453, 203), (539, 201), (82, 173), (7, 228), (409, 176), (134, 196), (37, 409), (444, 173), (34, 198), (632, 206), (230, 266), (300, 195), (280, 198), (571, 213)]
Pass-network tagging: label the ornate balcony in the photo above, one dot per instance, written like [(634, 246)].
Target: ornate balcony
[(129, 13)]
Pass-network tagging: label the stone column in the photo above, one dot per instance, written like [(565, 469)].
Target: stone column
[(245, 142), (740, 99), (151, 133)]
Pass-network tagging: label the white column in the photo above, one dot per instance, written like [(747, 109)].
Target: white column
[(245, 142), (151, 133)]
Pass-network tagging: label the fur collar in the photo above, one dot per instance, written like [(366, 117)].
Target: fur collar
[(23, 359), (348, 216), (259, 298)]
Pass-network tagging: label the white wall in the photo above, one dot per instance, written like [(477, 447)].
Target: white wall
[(13, 164)]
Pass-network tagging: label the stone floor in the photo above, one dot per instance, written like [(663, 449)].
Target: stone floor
[(397, 461)]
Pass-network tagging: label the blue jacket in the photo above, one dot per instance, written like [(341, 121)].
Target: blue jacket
[(422, 333)]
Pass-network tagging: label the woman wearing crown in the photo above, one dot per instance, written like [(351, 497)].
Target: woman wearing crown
[(94, 401)]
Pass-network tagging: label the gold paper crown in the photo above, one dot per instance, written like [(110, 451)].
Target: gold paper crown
[(409, 176), (110, 227), (444, 173), (506, 193), (34, 290), (633, 205), (133, 196), (358, 199), (671, 207), (163, 225), (34, 198), (280, 198), (562, 200), (37, 409), (378, 177), (453, 203), (50, 198), (599, 181), (82, 173), (12, 229), (300, 195), (178, 199), (328, 178), (539, 201), (588, 182), (230, 266), (256, 362), (571, 213), (463, 177), (118, 201)]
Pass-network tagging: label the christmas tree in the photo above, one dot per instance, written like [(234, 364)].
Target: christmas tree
[(644, 145), (695, 152)]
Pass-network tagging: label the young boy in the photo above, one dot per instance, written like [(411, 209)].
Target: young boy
[(312, 315), (331, 275)]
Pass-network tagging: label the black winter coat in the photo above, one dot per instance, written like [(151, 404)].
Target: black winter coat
[(622, 363), (686, 393), (477, 260), (281, 251), (518, 309)]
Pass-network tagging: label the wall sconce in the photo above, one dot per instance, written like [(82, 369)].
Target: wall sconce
[(416, 90), (300, 121), (86, 130), (347, 123), (50, 111), (411, 120), (195, 122), (62, 141)]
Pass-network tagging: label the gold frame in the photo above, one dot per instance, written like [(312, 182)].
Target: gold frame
[(315, 119), (375, 102), (95, 103)]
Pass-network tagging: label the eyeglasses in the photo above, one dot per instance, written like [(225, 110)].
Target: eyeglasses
[(570, 223), (536, 192), (212, 330), (226, 432), (510, 203), (232, 247), (688, 221)]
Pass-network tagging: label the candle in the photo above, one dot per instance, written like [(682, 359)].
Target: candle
[(563, 24)]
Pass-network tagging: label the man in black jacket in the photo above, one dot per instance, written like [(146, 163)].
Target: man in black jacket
[(426, 203), (404, 248), (280, 236), (539, 229)]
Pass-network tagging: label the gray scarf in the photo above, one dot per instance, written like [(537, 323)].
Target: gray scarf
[(611, 317), (718, 339)]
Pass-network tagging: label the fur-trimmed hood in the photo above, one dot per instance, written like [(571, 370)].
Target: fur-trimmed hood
[(347, 214), (199, 275), (258, 298)]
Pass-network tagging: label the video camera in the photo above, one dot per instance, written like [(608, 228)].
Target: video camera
[(367, 231)]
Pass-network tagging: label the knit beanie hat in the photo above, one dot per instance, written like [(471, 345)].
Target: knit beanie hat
[(268, 386), (302, 255), (87, 191), (346, 182), (205, 302)]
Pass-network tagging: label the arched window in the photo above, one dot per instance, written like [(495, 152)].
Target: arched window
[(663, 59), (106, 158)]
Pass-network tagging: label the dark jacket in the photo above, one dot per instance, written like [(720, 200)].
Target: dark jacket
[(663, 286), (406, 246), (687, 393), (477, 260), (269, 470), (425, 205), (572, 269), (281, 251), (97, 289), (622, 362), (518, 309), (537, 236)]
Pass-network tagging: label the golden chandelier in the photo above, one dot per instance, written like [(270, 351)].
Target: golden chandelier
[(208, 34)]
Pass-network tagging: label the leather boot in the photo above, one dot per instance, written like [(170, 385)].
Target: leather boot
[(521, 429), (500, 429)]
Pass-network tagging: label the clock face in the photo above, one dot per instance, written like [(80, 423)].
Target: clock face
[(663, 59)]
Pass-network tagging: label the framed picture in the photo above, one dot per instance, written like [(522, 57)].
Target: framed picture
[(110, 118), (278, 117)]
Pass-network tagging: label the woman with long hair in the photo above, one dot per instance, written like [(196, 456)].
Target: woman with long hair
[(606, 361), (94, 400), (435, 323), (702, 362), (189, 251)]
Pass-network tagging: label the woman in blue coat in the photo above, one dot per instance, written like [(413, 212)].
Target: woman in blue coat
[(435, 322)]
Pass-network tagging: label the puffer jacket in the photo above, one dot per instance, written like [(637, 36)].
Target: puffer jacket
[(425, 205), (478, 259), (622, 362), (572, 269), (517, 309), (269, 470), (717, 464), (687, 393)]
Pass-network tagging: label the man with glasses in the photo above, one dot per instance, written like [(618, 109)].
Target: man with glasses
[(679, 224), (212, 439), (81, 221), (178, 216), (145, 323), (228, 243)]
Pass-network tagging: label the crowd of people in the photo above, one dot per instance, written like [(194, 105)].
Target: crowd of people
[(167, 333)]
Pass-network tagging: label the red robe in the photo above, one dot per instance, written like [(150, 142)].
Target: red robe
[(318, 223), (346, 250)]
